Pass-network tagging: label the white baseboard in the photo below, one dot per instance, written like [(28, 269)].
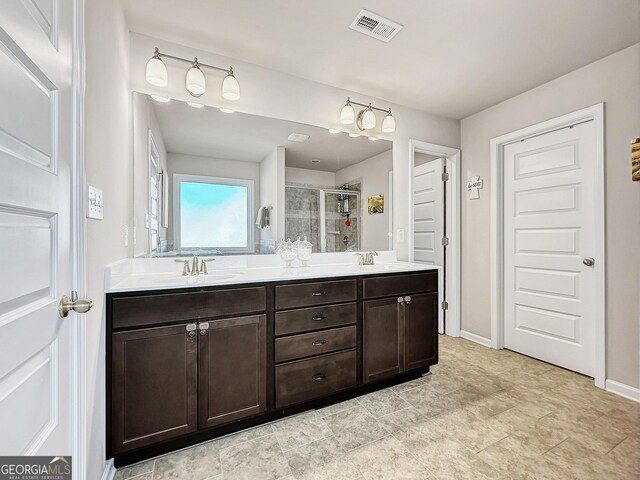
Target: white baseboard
[(626, 391), (109, 470), (485, 342)]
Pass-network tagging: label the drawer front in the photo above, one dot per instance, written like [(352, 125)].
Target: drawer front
[(314, 378), (387, 286), (162, 308), (307, 344), (317, 293), (314, 318)]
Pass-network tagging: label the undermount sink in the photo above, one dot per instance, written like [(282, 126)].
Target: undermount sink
[(192, 279), (382, 267)]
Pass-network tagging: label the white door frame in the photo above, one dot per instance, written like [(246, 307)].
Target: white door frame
[(595, 113), (79, 199), (453, 226)]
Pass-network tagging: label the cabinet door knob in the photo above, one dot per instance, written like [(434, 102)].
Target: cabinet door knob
[(401, 300), (407, 300), (203, 326), (318, 294), (319, 376), (317, 343), (317, 318)]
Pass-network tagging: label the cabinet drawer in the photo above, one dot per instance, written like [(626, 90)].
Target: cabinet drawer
[(307, 344), (316, 377), (174, 307), (314, 318), (317, 293), (387, 286)]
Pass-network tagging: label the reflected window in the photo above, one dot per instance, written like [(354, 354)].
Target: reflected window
[(213, 213)]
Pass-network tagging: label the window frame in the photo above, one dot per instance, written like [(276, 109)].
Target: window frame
[(178, 178)]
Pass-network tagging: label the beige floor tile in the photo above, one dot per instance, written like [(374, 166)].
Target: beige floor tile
[(315, 456), (402, 420), (293, 432), (196, 463), (259, 458), (479, 435), (339, 407), (355, 427), (387, 458), (245, 436), (135, 470), (382, 402)]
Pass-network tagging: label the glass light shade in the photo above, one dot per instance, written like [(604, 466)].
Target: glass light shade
[(373, 139), (195, 82), (354, 135), (230, 88), (160, 98), (368, 119), (389, 124), (334, 130), (226, 110), (156, 72), (347, 115)]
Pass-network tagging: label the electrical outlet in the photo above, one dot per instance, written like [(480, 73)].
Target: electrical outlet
[(401, 235), (126, 235)]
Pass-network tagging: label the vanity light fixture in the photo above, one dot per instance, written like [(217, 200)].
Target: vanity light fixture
[(195, 82), (374, 139), (161, 98), (334, 130), (195, 105), (354, 135), (366, 118), (226, 110)]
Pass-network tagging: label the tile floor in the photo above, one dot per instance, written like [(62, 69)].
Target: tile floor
[(483, 414)]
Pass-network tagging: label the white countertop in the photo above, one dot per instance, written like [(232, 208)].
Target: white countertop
[(140, 274)]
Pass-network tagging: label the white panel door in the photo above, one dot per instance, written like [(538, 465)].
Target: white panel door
[(428, 225), (36, 139), (549, 212)]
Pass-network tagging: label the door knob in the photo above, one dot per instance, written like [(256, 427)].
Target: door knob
[(77, 305), (589, 262)]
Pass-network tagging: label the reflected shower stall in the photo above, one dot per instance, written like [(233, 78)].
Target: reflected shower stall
[(329, 218)]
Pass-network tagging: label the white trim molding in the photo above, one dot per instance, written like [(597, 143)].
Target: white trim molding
[(453, 223), (472, 337), (626, 391), (109, 471), (595, 113)]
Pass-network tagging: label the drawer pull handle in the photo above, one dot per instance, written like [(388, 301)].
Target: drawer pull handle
[(317, 343), (317, 318), (318, 294), (319, 376)]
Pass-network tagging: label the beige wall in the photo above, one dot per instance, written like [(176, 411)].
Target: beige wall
[(614, 80), (108, 128), (374, 175), (210, 167), (306, 176)]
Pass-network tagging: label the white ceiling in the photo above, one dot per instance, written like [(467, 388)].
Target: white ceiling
[(207, 132), (453, 57)]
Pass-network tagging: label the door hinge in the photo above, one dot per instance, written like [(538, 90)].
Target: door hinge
[(445, 176), (445, 241), (445, 305)]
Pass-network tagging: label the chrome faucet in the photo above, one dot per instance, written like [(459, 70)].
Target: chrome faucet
[(366, 258), (194, 269)]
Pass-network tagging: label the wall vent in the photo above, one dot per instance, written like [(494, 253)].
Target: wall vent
[(375, 26)]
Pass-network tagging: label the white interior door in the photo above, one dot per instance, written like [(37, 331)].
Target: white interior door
[(549, 229), (36, 145), (428, 224)]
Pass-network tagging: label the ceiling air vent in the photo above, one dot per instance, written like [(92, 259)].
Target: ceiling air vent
[(375, 26)]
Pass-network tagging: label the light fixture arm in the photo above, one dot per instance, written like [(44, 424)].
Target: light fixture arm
[(158, 54), (368, 105)]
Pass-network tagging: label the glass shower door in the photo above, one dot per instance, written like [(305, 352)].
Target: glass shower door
[(340, 221)]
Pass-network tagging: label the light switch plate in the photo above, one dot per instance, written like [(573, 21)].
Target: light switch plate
[(94, 208), (401, 235)]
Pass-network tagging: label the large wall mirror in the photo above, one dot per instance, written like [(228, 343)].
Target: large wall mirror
[(207, 182)]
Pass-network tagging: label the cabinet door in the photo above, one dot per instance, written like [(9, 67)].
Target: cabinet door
[(154, 375), (420, 330), (232, 369), (382, 339)]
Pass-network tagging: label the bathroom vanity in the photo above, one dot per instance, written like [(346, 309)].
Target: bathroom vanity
[(190, 361)]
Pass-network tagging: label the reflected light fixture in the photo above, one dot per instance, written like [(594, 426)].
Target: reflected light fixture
[(226, 110), (195, 82), (160, 98), (156, 71), (334, 130), (366, 118), (354, 135), (373, 139), (195, 105)]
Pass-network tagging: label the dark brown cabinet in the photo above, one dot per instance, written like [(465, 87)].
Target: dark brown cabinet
[(232, 364), (190, 364), (399, 335), (153, 386)]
